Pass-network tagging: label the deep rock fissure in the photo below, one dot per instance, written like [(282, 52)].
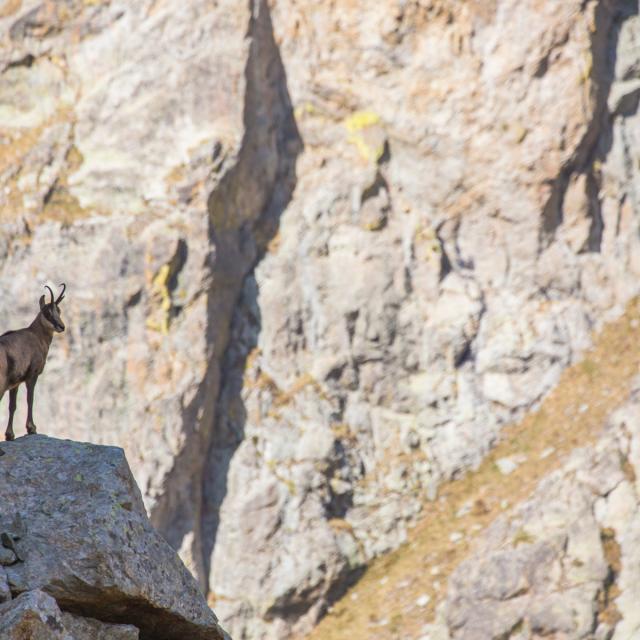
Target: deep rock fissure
[(244, 210), (607, 611), (597, 139), (246, 202)]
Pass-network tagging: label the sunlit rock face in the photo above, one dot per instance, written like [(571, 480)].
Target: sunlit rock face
[(315, 259), (564, 562), (75, 538)]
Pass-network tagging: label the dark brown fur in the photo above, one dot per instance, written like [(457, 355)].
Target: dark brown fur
[(23, 354)]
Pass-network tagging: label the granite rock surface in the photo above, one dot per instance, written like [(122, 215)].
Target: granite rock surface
[(80, 534)]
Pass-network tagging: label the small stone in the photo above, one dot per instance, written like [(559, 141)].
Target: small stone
[(464, 509), (456, 537), (423, 600), (8, 542), (7, 557), (506, 466), (339, 487), (547, 452)]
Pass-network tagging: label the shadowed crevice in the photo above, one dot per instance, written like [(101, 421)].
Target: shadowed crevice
[(598, 139), (244, 211), (264, 175)]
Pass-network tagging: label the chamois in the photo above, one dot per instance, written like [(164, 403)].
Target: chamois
[(23, 354)]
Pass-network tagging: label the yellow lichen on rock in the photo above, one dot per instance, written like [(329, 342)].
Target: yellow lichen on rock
[(304, 109), (587, 68), (426, 244), (361, 120), (366, 134), (375, 225), (160, 290)]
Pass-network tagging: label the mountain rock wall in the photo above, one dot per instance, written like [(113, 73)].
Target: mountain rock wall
[(315, 258), (564, 562)]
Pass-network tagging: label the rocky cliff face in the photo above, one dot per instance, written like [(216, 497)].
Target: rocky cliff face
[(75, 538), (315, 259), (565, 562)]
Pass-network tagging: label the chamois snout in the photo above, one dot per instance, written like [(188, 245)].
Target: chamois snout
[(51, 311), (56, 320)]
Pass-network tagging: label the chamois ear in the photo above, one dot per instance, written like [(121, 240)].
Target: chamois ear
[(42, 303)]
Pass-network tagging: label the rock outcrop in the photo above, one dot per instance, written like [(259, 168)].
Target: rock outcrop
[(564, 563), (315, 259), (79, 540), (34, 615)]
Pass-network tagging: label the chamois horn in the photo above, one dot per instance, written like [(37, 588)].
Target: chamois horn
[(64, 286)]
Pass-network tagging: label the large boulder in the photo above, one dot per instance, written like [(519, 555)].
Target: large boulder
[(76, 528)]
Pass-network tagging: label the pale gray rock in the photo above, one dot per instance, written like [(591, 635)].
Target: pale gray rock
[(562, 563), (7, 556), (33, 615), (459, 304), (508, 465), (87, 541)]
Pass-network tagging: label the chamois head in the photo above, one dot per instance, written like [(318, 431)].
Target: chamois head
[(50, 311)]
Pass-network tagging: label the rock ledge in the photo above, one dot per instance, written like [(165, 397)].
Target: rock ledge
[(75, 528)]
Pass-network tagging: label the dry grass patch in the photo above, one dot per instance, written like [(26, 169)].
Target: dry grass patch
[(572, 415), (9, 7), (15, 146), (61, 204)]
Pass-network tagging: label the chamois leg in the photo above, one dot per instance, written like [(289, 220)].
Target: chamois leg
[(31, 385), (13, 400)]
